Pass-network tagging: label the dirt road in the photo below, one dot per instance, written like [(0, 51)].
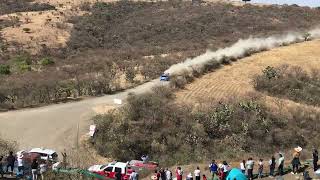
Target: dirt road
[(56, 126)]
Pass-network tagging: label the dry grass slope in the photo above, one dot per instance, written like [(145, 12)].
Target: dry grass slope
[(236, 79)]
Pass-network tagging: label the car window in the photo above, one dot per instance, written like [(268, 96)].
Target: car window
[(117, 169), (43, 155), (108, 169)]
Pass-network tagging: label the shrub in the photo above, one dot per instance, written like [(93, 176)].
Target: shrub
[(22, 62), (290, 82), (26, 30), (6, 146), (4, 69), (130, 74), (46, 61)]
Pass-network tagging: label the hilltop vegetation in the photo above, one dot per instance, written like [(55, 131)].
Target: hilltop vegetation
[(118, 45)]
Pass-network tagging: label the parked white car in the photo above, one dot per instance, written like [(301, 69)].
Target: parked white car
[(45, 154)]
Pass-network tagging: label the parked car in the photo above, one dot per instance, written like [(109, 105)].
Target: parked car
[(164, 77), (110, 170), (45, 154), (139, 164)]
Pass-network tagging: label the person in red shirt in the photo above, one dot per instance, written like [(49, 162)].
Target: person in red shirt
[(221, 173), (204, 177), (179, 173)]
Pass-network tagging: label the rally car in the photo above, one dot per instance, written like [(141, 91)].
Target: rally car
[(165, 77)]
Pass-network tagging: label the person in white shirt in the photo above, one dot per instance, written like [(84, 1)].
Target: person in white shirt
[(250, 165), (243, 166), (168, 174), (134, 175), (260, 169), (197, 173), (20, 164), (43, 169), (189, 176), (226, 166), (280, 164)]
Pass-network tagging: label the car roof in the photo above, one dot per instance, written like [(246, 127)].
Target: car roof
[(118, 164), (41, 150)]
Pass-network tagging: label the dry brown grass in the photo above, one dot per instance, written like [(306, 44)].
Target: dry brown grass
[(236, 79)]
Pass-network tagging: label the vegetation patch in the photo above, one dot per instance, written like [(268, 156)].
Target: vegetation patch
[(46, 61), (153, 124), (6, 146), (13, 6), (4, 69), (291, 82)]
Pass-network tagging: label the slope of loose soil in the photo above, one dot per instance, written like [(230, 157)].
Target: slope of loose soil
[(235, 80)]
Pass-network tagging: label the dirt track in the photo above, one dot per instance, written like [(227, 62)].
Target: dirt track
[(55, 126)]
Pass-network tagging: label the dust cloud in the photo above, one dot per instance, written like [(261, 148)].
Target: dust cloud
[(240, 49)]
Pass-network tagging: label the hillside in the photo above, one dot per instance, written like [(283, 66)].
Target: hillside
[(67, 49), (236, 80)]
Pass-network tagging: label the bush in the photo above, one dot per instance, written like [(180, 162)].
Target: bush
[(4, 69), (290, 82), (23, 62), (6, 146), (46, 61), (26, 30)]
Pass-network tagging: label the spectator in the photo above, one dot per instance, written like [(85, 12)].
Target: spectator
[(226, 167), (43, 169), (20, 164), (189, 177), (118, 176), (204, 177), (168, 174), (129, 171), (250, 165), (1, 166), (179, 173), (280, 164), (144, 158), (260, 169), (213, 168), (162, 174), (197, 173), (272, 164), (134, 175), (34, 169), (10, 162), (221, 173), (243, 166), (295, 164), (315, 158), (306, 175), (157, 175)]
